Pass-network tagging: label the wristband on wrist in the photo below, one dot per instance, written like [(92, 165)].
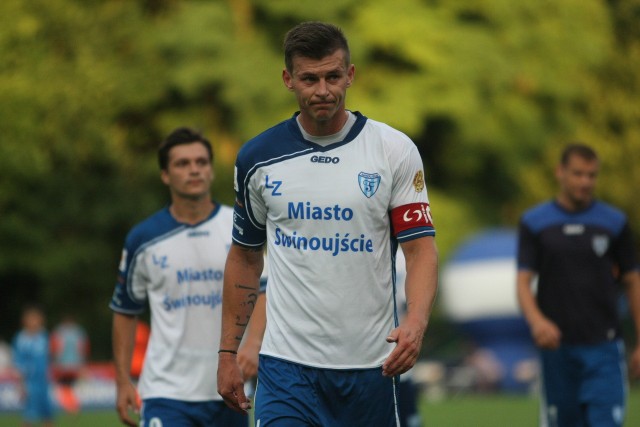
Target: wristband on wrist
[(227, 351)]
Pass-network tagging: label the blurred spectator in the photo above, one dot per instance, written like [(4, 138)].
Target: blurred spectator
[(31, 359), (69, 351), (488, 372), (5, 356)]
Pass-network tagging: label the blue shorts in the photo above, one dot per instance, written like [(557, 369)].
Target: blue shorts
[(584, 385), (159, 412), (293, 395), (38, 404)]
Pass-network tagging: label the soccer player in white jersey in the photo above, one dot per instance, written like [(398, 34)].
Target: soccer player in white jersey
[(174, 262), (331, 193)]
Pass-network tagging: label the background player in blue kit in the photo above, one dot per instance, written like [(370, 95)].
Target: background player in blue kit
[(331, 193), (174, 261), (31, 359), (579, 248)]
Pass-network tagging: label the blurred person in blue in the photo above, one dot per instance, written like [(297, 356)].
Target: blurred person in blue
[(580, 249), (31, 360), (174, 262), (330, 194)]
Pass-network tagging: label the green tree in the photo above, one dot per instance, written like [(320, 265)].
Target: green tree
[(489, 90)]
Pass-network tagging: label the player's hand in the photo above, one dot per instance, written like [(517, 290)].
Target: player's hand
[(230, 383), (408, 339), (248, 361), (634, 362), (127, 401), (546, 334)]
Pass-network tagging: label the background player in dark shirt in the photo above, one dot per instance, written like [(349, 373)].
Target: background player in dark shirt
[(579, 249)]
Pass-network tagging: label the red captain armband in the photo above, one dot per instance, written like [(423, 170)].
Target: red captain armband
[(410, 216)]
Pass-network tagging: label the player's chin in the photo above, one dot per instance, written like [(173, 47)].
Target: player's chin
[(324, 115), (195, 193)]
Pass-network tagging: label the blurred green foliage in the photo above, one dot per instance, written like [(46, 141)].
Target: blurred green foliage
[(489, 90)]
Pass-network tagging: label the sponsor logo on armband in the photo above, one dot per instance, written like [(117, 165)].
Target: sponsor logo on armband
[(411, 216)]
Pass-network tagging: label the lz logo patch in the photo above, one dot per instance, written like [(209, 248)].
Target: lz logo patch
[(369, 183), (161, 261), (273, 186)]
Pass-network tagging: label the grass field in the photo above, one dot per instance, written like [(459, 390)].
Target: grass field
[(461, 411)]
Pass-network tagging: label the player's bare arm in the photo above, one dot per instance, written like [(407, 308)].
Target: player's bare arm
[(239, 296), (421, 287), (545, 333), (250, 347), (124, 330)]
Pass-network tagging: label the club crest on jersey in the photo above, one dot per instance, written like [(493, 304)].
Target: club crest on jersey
[(600, 244), (369, 183)]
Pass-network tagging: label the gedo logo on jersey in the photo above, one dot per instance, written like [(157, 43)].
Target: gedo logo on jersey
[(325, 159)]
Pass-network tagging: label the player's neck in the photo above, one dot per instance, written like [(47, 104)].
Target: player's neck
[(323, 128), (190, 211), (572, 205)]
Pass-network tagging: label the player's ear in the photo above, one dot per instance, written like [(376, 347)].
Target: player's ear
[(559, 171), (351, 73), (164, 176), (287, 79)]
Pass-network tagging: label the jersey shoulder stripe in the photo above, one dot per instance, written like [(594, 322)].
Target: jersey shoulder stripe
[(284, 141), (149, 230), (550, 214)]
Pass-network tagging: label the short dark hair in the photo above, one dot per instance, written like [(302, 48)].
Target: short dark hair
[(577, 149), (179, 136), (314, 40)]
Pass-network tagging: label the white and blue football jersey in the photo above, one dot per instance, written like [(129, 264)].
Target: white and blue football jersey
[(178, 270), (331, 216)]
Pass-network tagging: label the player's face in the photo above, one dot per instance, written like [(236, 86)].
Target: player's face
[(189, 172), (33, 321), (320, 86), (577, 181)]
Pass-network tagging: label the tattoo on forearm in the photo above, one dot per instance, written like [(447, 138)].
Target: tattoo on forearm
[(250, 301), (242, 323)]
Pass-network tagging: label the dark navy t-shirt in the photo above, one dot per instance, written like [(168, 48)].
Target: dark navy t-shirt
[(578, 257)]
